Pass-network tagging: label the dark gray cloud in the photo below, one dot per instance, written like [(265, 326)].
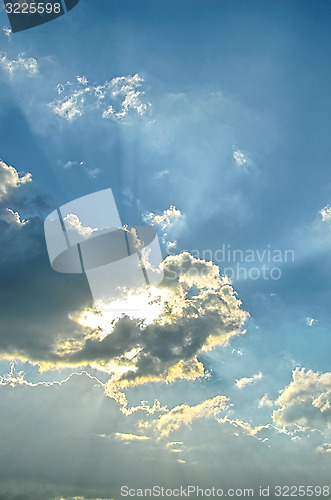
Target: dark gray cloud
[(34, 300)]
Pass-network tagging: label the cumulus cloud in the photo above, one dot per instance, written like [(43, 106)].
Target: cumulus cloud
[(12, 218), (306, 401), (74, 224), (22, 63), (193, 310), (10, 180), (243, 382), (168, 218), (113, 99), (199, 309)]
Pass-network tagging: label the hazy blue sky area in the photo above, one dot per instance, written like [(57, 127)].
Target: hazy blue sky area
[(210, 121)]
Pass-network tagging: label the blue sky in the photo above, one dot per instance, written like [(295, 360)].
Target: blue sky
[(212, 127)]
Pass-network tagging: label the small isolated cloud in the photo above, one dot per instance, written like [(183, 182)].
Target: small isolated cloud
[(10, 180), (73, 223), (243, 382), (326, 213), (70, 164), (113, 99), (12, 218), (311, 321), (306, 401), (240, 158), (266, 401), (185, 414), (129, 437), (162, 174), (93, 173), (22, 63), (169, 222), (7, 32), (168, 218)]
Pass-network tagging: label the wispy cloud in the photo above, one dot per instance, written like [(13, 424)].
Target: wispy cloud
[(241, 159), (129, 437), (22, 63), (243, 382)]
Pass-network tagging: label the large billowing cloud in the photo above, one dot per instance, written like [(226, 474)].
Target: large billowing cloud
[(193, 310), (199, 309)]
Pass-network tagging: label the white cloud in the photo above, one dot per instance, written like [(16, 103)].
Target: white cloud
[(170, 223), (129, 437), (12, 218), (7, 32), (185, 414), (240, 158), (266, 401), (306, 401), (326, 213), (22, 63), (168, 218), (113, 99), (125, 88), (243, 382), (73, 223), (70, 107), (10, 179)]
